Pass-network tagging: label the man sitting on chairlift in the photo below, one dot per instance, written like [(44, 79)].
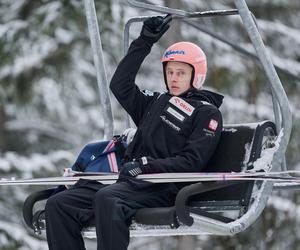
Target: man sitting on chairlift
[(177, 131)]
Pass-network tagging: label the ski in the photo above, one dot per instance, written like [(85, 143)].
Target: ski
[(109, 178)]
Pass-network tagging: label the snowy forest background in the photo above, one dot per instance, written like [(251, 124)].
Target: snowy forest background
[(50, 107)]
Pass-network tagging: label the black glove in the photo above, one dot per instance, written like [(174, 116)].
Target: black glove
[(155, 27), (131, 169)]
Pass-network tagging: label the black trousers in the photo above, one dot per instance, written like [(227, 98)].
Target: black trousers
[(110, 206)]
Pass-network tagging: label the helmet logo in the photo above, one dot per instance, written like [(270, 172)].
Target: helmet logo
[(174, 52)]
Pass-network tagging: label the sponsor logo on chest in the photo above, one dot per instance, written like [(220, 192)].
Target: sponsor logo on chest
[(171, 124), (175, 114), (182, 105)]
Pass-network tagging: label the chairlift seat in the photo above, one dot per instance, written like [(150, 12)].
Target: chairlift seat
[(200, 207)]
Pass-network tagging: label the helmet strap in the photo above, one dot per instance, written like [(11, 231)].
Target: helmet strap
[(165, 75), (192, 76)]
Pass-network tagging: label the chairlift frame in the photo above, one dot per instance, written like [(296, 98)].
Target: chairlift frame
[(282, 113)]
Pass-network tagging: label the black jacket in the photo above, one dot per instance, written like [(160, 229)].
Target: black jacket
[(177, 134)]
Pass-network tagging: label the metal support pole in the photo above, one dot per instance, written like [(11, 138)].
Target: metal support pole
[(277, 112), (92, 22), (273, 80), (278, 121)]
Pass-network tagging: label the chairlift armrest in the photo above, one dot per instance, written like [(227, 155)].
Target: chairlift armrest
[(186, 192), (30, 202)]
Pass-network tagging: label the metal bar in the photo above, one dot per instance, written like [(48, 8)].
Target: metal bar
[(210, 13), (277, 112), (278, 121), (127, 29), (158, 8), (100, 67), (181, 13), (185, 193), (273, 80)]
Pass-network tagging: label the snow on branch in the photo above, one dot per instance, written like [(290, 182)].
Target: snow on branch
[(286, 205), (289, 65), (35, 54), (42, 127), (20, 234), (27, 164), (276, 27), (10, 29)]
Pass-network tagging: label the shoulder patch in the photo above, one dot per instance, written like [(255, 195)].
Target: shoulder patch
[(182, 105), (213, 124), (147, 92)]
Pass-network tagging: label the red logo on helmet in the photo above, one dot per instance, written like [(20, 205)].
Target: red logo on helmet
[(213, 124)]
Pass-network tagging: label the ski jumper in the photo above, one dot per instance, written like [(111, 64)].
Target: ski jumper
[(174, 134)]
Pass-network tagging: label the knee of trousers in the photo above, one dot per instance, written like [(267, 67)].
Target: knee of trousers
[(107, 205), (52, 204), (105, 199), (103, 196)]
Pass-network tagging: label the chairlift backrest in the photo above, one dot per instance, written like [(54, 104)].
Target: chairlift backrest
[(239, 147)]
